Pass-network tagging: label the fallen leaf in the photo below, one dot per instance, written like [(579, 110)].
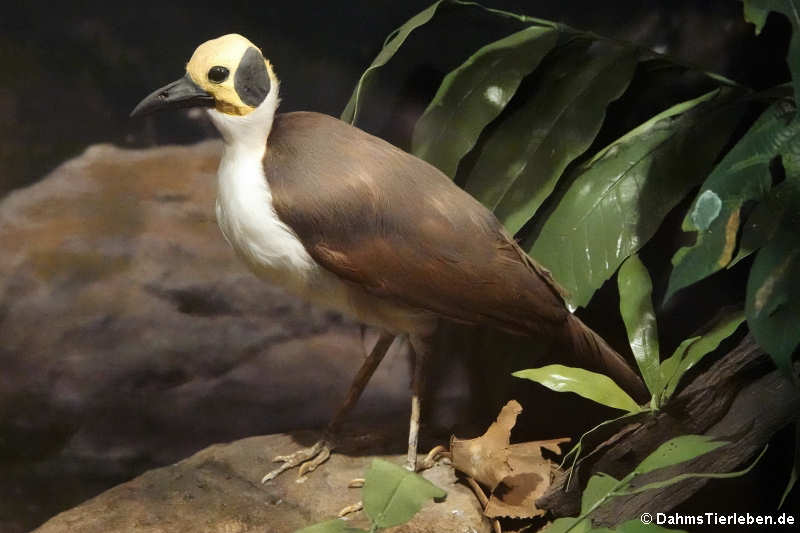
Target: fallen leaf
[(516, 475), (485, 458)]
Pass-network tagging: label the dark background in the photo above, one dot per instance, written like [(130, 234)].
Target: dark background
[(70, 72)]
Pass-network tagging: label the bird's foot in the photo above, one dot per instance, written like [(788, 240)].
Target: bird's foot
[(308, 459)]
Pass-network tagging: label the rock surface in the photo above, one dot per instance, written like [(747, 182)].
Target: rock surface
[(132, 336), (218, 490)]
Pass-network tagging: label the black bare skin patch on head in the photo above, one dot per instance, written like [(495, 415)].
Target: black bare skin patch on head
[(252, 81)]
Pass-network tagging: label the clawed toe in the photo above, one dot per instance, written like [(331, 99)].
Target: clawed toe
[(437, 453), (308, 459), (312, 464), (350, 509)]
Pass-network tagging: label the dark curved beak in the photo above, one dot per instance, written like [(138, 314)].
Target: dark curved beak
[(178, 94)]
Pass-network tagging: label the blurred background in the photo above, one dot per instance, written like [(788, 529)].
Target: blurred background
[(107, 370), (74, 70)]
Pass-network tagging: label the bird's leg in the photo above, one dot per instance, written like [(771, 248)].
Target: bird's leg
[(310, 458), (362, 378), (422, 347)]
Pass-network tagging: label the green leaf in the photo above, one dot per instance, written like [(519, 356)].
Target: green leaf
[(773, 298), (755, 15), (779, 208), (670, 365), (397, 37), (596, 387), (331, 526), (392, 494), (571, 525), (742, 175), (636, 307), (693, 475), (619, 198), (472, 95), (756, 11), (575, 451), (691, 351), (524, 157), (393, 43), (678, 450), (599, 487)]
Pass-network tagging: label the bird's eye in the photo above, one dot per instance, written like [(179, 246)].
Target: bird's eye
[(218, 74)]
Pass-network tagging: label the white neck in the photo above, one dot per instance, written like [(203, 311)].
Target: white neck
[(248, 132), (244, 200)]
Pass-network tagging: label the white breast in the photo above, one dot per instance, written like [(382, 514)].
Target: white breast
[(269, 247), (273, 251), (249, 222)]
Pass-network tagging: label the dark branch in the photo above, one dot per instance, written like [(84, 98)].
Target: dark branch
[(737, 397)]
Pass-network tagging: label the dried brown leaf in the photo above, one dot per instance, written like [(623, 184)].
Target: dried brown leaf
[(516, 474), (485, 458)]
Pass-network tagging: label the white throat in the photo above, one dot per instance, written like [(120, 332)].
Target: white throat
[(245, 212), (248, 132)]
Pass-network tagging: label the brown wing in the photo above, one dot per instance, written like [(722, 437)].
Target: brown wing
[(397, 226)]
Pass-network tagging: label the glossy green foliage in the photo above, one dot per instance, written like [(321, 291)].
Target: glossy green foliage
[(596, 387), (693, 475), (524, 157), (636, 307), (395, 40), (618, 199), (602, 488), (742, 176), (773, 297), (599, 487), (516, 123), (692, 350), (678, 450), (662, 378), (392, 494), (475, 93), (521, 143)]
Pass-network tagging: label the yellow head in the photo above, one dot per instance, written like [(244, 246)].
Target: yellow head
[(228, 73)]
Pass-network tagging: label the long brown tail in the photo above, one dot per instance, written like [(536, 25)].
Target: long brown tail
[(592, 352)]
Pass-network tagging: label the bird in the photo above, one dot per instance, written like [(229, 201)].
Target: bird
[(350, 222)]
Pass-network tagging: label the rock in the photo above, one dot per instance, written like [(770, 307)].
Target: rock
[(218, 490), (133, 337)]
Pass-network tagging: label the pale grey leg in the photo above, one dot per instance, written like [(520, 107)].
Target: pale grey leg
[(422, 347)]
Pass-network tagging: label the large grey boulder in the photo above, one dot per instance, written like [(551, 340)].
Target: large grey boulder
[(132, 336)]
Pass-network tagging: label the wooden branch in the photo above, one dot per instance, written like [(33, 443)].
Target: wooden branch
[(737, 397)]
